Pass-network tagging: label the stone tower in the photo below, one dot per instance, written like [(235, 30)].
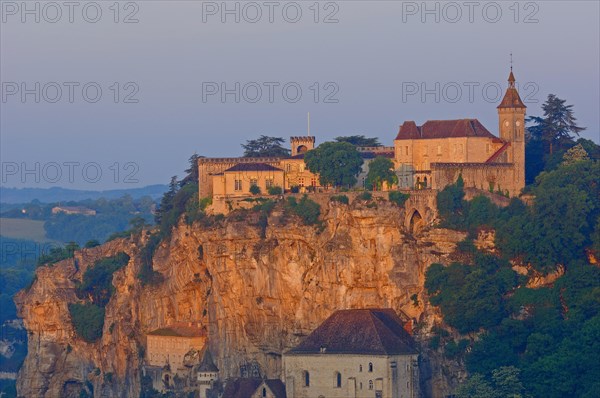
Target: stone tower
[(302, 144), (511, 119)]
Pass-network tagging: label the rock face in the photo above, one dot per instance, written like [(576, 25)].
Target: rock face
[(256, 297)]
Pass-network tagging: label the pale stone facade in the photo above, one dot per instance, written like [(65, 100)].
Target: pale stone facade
[(170, 344), (354, 354)]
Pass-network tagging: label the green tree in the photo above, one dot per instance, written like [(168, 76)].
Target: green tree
[(557, 125), (191, 172), (166, 203), (254, 189), (476, 386), (575, 154), (359, 140), (265, 146), (381, 170), (336, 163)]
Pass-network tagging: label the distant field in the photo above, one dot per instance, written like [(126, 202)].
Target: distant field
[(23, 229)]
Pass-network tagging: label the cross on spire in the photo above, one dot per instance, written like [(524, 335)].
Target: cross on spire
[(511, 61)]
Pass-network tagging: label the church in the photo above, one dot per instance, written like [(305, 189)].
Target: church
[(430, 156)]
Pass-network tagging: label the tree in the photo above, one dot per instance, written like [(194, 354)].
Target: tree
[(359, 140), (265, 146), (381, 170), (476, 386), (557, 124), (575, 154), (166, 203), (336, 163), (192, 171)]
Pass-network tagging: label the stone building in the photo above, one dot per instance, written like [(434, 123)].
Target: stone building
[(362, 353), (432, 155), (435, 154), (169, 345), (254, 388)]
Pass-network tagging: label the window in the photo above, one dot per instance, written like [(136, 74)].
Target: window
[(268, 183), (370, 384), (238, 185), (439, 149), (487, 148), (370, 367), (264, 392), (301, 181), (338, 380), (313, 182), (406, 149), (253, 181), (360, 368), (306, 378), (288, 167)]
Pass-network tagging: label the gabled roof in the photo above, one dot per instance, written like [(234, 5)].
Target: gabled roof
[(252, 167), (360, 331), (207, 364), (443, 129), (244, 388)]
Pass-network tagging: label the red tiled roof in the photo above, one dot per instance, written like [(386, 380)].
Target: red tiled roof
[(443, 129), (252, 167), (511, 99), (360, 331)]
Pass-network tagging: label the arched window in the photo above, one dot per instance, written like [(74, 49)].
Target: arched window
[(264, 392), (306, 378), (360, 368), (370, 366), (338, 380), (370, 384)]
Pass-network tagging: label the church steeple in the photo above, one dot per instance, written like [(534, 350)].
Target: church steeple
[(511, 97)]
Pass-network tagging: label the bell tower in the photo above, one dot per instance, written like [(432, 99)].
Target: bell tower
[(511, 119)]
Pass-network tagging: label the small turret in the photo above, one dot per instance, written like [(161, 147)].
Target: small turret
[(302, 144)]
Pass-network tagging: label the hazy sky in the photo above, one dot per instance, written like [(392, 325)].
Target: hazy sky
[(362, 67)]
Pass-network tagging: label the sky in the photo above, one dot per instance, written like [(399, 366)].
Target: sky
[(107, 95)]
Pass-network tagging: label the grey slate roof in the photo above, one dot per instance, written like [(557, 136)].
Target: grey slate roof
[(360, 331)]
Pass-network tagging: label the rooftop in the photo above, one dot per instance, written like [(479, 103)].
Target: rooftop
[(245, 388), (359, 331), (179, 330), (443, 129), (252, 167)]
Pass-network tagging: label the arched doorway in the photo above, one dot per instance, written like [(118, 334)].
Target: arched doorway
[(415, 223)]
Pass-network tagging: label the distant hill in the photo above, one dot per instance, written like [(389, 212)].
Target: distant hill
[(57, 194)]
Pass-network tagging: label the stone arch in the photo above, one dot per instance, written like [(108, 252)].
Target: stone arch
[(415, 223)]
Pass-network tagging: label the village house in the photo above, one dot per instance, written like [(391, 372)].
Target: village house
[(430, 156), (358, 353), (73, 210), (168, 345)]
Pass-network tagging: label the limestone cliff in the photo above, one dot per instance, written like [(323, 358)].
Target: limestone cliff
[(256, 297)]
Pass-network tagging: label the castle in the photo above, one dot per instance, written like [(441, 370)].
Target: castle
[(430, 156)]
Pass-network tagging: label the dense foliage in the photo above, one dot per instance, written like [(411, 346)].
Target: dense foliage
[(88, 320), (58, 253), (539, 342), (308, 210), (380, 170), (265, 146), (336, 163), (398, 198), (17, 265), (97, 279), (360, 140)]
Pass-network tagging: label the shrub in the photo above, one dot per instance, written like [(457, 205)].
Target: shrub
[(88, 320), (398, 198), (274, 190), (91, 243), (57, 254), (254, 189), (295, 189), (365, 196), (308, 210), (97, 279), (340, 198)]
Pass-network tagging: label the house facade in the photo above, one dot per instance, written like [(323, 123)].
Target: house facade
[(363, 353)]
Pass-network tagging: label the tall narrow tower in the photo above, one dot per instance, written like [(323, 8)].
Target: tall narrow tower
[(511, 118)]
